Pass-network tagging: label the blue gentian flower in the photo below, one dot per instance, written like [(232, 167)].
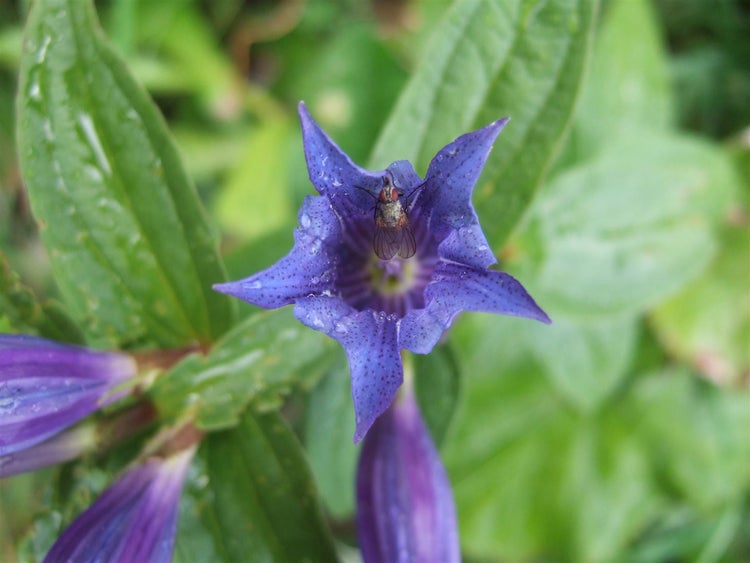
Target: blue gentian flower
[(46, 386), (384, 260), (135, 519), (405, 508)]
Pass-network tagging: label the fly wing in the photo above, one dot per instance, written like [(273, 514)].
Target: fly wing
[(386, 242), (407, 246)]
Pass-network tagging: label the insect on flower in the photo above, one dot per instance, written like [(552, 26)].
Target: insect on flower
[(393, 234)]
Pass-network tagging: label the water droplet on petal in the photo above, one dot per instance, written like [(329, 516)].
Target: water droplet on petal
[(315, 246), (482, 247), (254, 285), (341, 328), (305, 221)]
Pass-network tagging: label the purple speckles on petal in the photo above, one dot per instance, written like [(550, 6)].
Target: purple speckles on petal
[(469, 246), (371, 344), (452, 175), (333, 173)]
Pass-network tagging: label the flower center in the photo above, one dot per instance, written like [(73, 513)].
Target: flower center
[(390, 277), (394, 286)]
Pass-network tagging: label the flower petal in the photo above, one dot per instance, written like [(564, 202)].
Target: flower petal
[(309, 268), (46, 386), (405, 508), (334, 174), (370, 341), (451, 177), (404, 176), (61, 447), (134, 520), (457, 288), (467, 245)]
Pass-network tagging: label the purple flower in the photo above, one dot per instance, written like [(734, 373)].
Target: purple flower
[(134, 520), (351, 273), (46, 387), (405, 510)]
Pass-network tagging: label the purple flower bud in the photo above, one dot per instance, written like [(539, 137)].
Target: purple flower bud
[(384, 261), (68, 444), (405, 509), (134, 520), (46, 387)]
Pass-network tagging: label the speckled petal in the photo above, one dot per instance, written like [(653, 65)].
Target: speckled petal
[(457, 288), (451, 177), (469, 246), (405, 509), (334, 174), (371, 344), (46, 386), (308, 269), (134, 520), (324, 313), (404, 176)]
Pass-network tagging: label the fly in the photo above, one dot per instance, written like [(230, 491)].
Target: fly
[(393, 235)]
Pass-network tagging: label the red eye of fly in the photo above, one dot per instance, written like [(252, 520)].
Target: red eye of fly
[(383, 196)]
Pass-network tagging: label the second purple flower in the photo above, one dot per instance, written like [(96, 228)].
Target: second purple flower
[(384, 261)]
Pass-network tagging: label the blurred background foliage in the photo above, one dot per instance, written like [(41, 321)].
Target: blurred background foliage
[(621, 432)]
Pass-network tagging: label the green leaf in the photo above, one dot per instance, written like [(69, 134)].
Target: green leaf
[(24, 313), (350, 81), (697, 436), (617, 234), (255, 198), (535, 480), (628, 88), (486, 60), (198, 535), (264, 495), (584, 360), (708, 323), (329, 427), (260, 360), (437, 385), (128, 240)]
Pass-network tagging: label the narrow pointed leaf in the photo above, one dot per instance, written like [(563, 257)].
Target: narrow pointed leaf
[(129, 242), (488, 60), (264, 495), (259, 361)]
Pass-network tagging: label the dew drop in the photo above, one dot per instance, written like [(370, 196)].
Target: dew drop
[(341, 328), (254, 285), (482, 247), (305, 221), (8, 405), (315, 246)]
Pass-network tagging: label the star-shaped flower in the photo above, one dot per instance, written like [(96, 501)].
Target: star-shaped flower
[(384, 260)]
